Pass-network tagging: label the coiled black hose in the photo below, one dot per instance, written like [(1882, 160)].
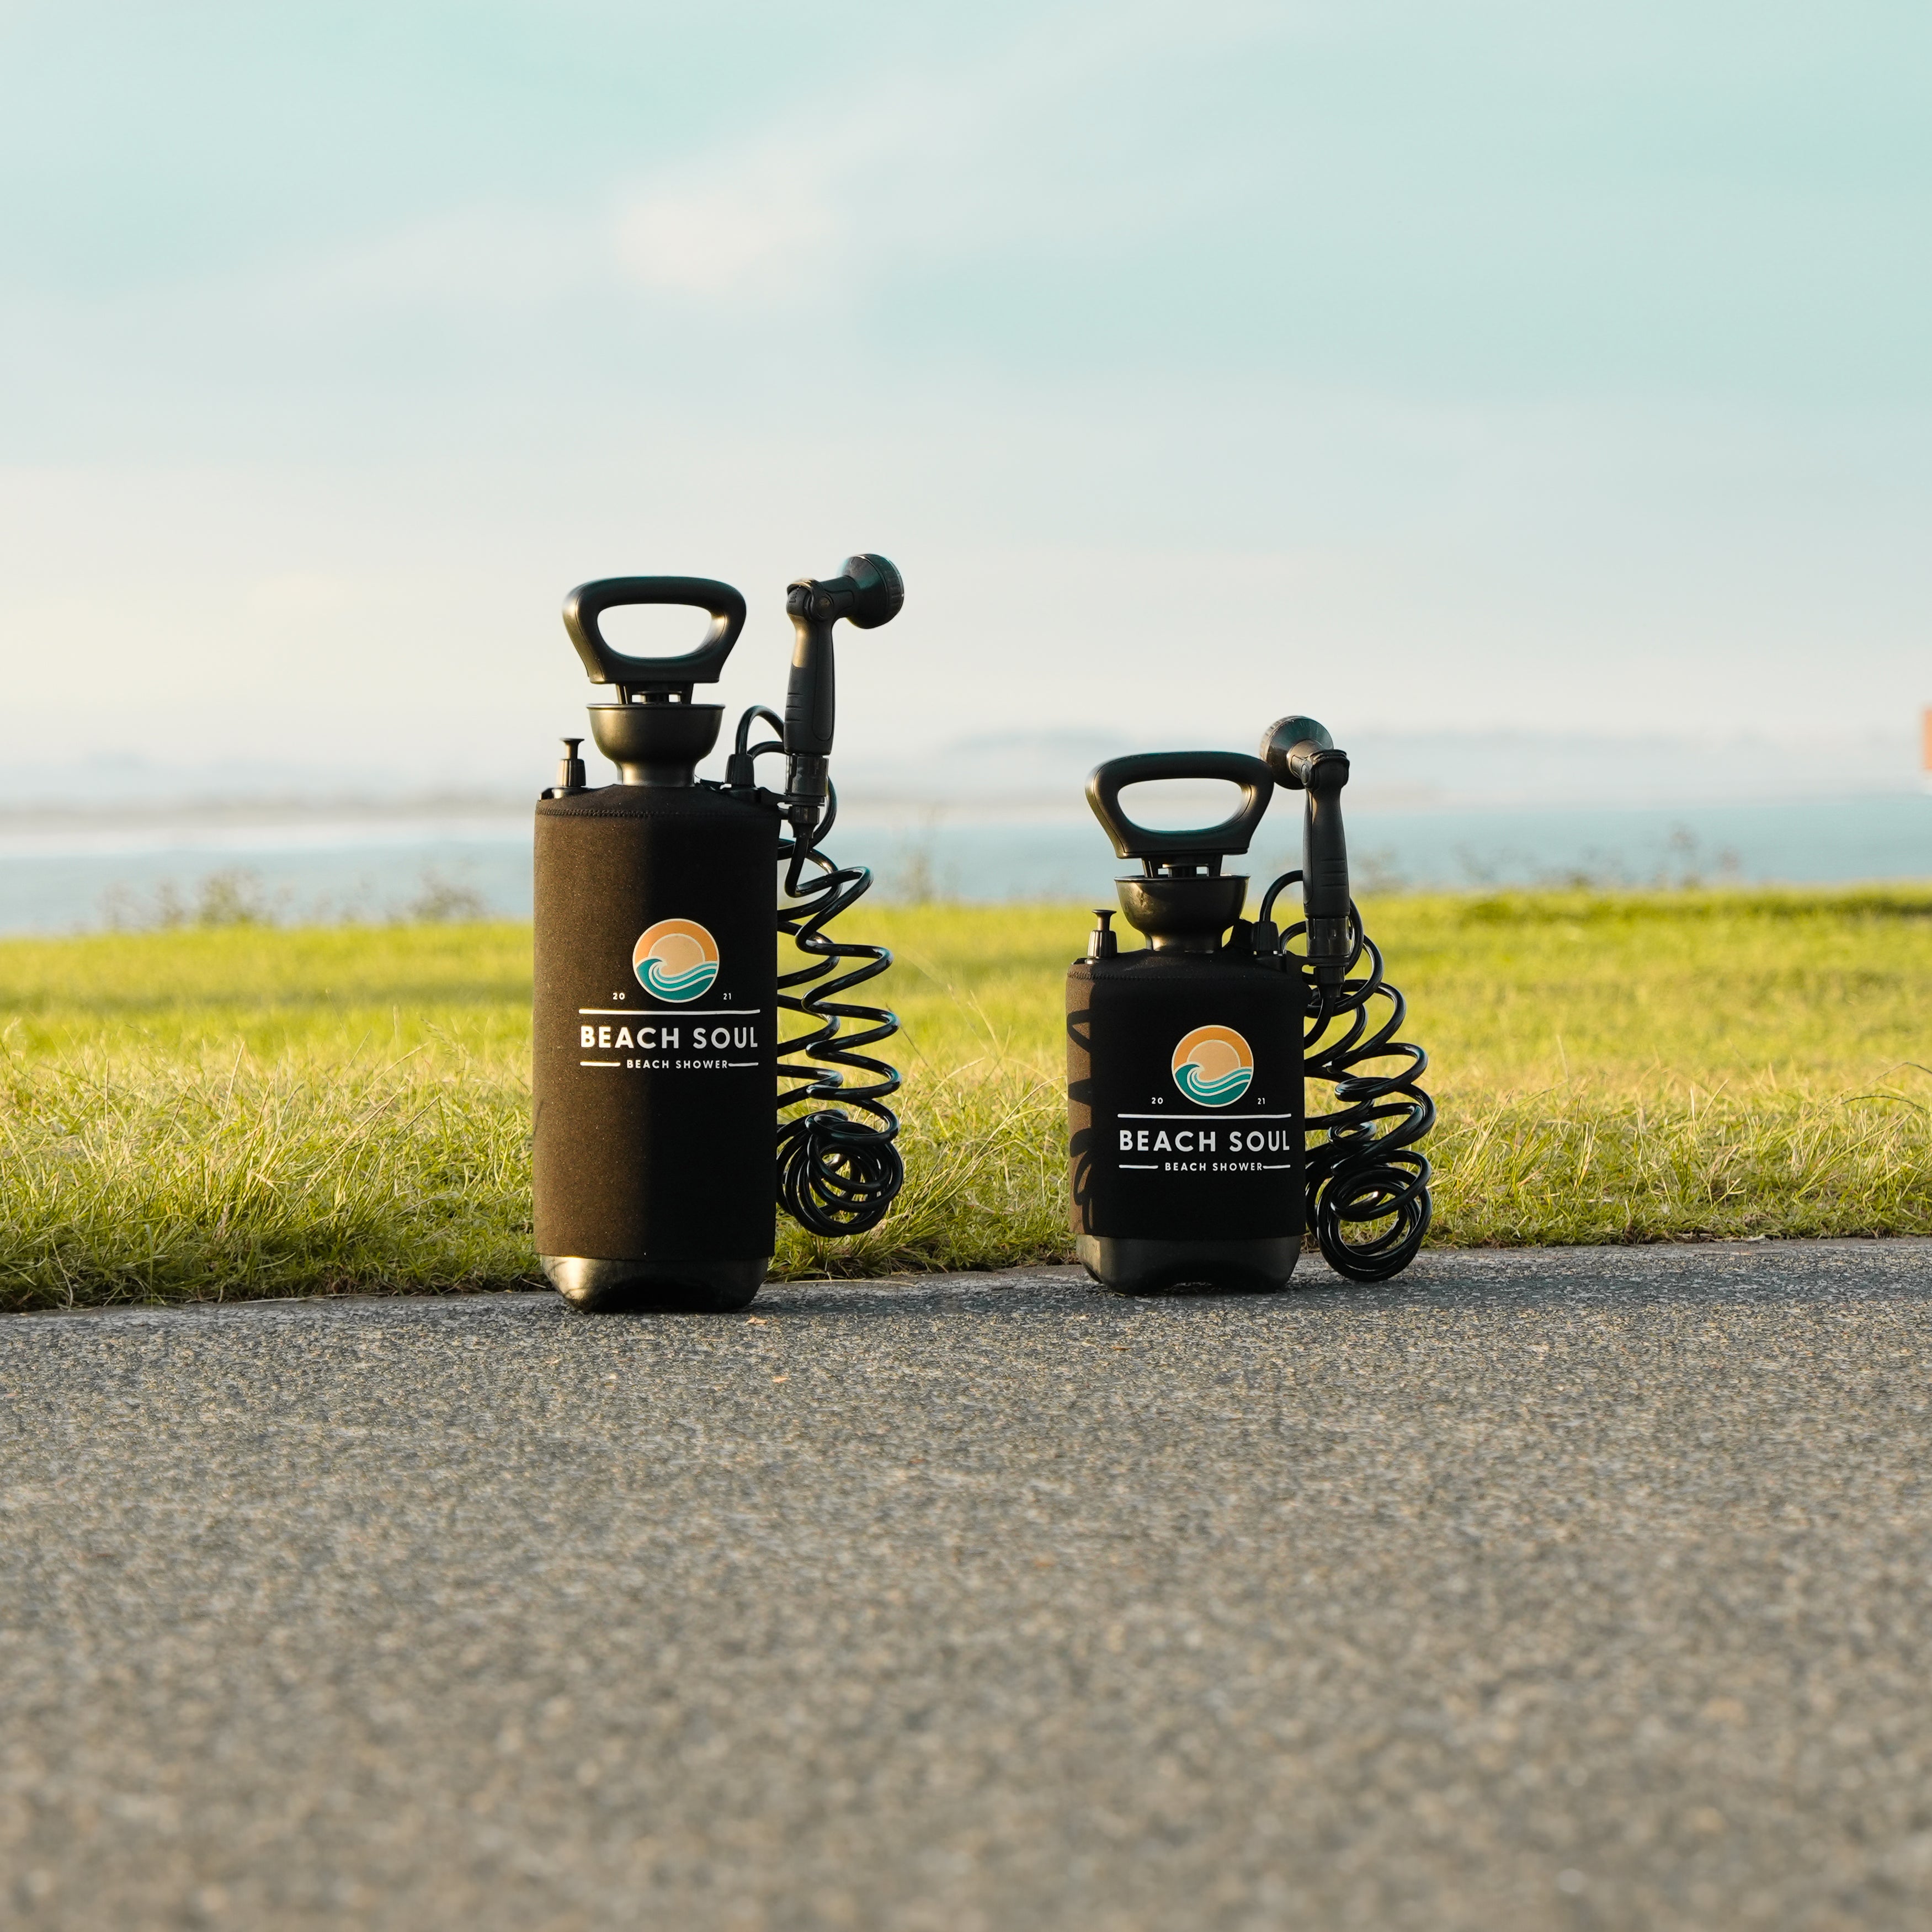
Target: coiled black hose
[(1367, 1168), (836, 1175)]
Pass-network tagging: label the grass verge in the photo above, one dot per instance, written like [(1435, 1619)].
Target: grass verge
[(250, 1112), (189, 1181)]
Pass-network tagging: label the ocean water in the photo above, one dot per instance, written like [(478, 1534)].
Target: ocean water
[(52, 881), (1840, 840)]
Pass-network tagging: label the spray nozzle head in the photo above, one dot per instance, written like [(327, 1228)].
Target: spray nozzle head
[(1303, 757), (867, 592)]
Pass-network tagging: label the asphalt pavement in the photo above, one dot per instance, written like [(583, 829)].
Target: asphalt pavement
[(1579, 1588)]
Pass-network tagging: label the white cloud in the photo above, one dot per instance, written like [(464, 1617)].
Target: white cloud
[(770, 226), (942, 163)]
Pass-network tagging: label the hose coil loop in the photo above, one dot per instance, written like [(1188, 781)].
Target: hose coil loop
[(836, 1175), (1367, 1167)]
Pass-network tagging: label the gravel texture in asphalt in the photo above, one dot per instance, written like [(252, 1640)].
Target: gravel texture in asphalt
[(1587, 1588)]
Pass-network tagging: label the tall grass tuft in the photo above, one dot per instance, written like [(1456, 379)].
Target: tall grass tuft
[(199, 1180), (1577, 1165), (191, 1180), (985, 1153)]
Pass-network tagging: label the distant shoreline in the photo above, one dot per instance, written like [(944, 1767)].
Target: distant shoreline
[(64, 872)]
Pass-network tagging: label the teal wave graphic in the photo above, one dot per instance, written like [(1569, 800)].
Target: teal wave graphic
[(685, 985), (1213, 1093)]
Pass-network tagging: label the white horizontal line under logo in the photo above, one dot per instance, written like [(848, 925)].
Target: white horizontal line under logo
[(673, 1013), (1205, 1119)]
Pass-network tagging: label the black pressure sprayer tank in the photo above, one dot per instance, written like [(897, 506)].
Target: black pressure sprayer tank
[(657, 1059), (1194, 1160)]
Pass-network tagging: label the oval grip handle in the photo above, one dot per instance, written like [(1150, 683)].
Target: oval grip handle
[(1105, 782), (588, 601)]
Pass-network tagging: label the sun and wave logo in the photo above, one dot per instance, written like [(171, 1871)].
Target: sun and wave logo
[(676, 959), (1214, 1065)]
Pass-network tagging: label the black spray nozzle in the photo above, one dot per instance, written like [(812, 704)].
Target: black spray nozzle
[(1290, 747), (570, 767), (1303, 757), (867, 592), (1103, 942)]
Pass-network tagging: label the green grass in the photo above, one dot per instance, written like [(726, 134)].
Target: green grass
[(249, 1111)]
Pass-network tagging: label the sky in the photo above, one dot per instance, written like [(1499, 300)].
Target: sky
[(1540, 366)]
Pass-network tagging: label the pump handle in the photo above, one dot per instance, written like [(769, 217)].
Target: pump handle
[(588, 601), (1105, 782)]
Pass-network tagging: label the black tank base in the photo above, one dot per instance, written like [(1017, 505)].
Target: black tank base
[(1134, 1267), (645, 1287)]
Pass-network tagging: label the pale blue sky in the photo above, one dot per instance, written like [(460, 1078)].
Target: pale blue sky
[(1535, 365)]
